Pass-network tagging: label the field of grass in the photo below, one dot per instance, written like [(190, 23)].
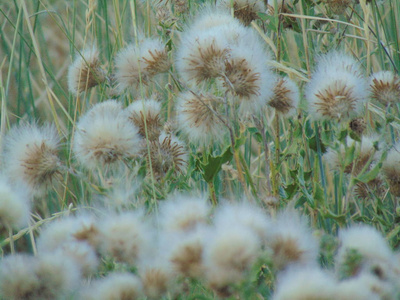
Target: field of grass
[(169, 149)]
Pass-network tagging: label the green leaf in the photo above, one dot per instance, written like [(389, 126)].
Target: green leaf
[(368, 176), (213, 166), (312, 143)]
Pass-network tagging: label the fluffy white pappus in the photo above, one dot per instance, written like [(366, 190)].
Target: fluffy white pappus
[(201, 56), (355, 288), (67, 230), (183, 213), (210, 17), (385, 87), (291, 241), (157, 276), (14, 205), (248, 77), (116, 285), (126, 237), (305, 283), (367, 241), (18, 277), (59, 275), (286, 97), (105, 136), (244, 10), (232, 248), (137, 64), (336, 95), (82, 253), (85, 72), (185, 251), (338, 61), (145, 115), (244, 214), (30, 156), (198, 120)]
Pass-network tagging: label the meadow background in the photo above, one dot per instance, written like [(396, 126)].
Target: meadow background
[(276, 163)]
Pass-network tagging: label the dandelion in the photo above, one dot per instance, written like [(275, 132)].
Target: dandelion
[(337, 90), (211, 17), (201, 56), (116, 285), (364, 241), (186, 253), (291, 241), (183, 213), (145, 115), (245, 10), (85, 72), (286, 97), (168, 153), (358, 126), (354, 289), (156, 277), (125, 237), (391, 170), (305, 283), (245, 214), (248, 78), (385, 87), (198, 118), (14, 205), (137, 64), (104, 136), (31, 156), (228, 253)]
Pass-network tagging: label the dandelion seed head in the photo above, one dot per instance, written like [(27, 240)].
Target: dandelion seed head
[(201, 56), (198, 120), (183, 213), (391, 169), (291, 241), (286, 97), (305, 284), (14, 205), (125, 237), (116, 285), (210, 17), (31, 155), (336, 96), (245, 214), (245, 10), (385, 87), (145, 114), (166, 154), (105, 136), (85, 72), (154, 56), (354, 289), (367, 241)]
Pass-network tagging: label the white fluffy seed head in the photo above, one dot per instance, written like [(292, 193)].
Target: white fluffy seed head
[(244, 10), (337, 89), (248, 78), (105, 136), (14, 205), (367, 241), (85, 72), (18, 277), (305, 284), (137, 64), (286, 97), (145, 115), (291, 241), (183, 213), (197, 115), (115, 286), (385, 87), (391, 169), (355, 289), (244, 214), (126, 237), (31, 156)]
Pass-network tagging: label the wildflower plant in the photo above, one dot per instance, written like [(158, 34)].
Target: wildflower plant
[(169, 149)]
